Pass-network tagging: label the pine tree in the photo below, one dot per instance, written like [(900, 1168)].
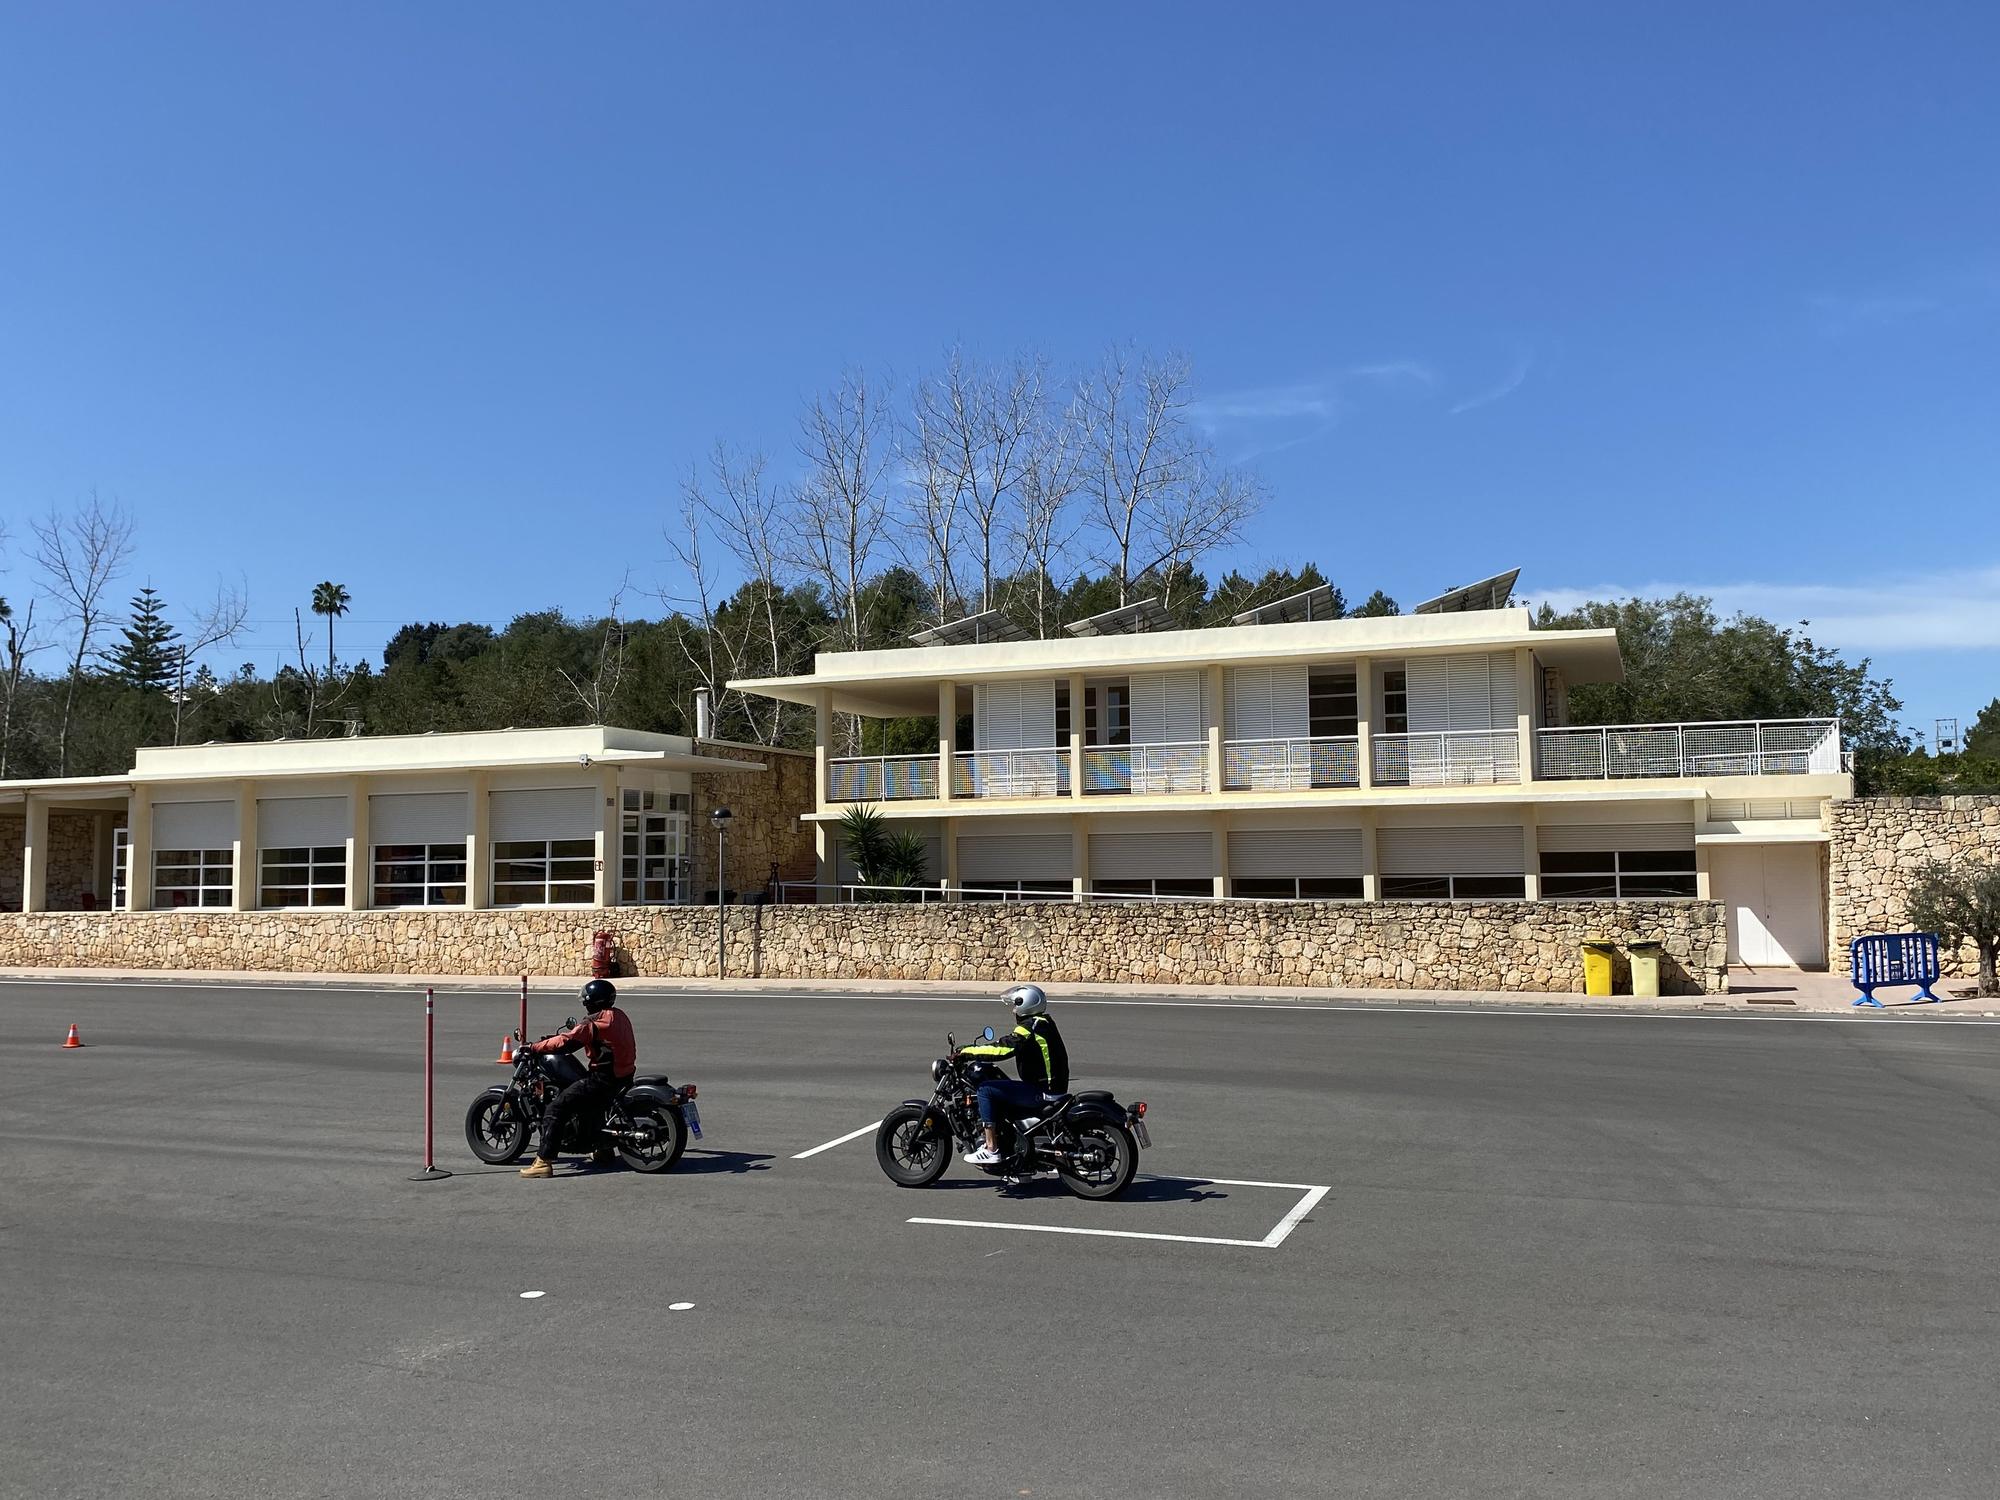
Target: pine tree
[(148, 655)]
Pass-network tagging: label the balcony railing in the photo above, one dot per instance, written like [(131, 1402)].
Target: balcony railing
[(1475, 757), (1767, 747), (881, 778), (1290, 765), (1146, 769), (1010, 773)]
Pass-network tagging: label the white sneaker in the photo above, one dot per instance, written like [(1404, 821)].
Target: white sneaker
[(985, 1156)]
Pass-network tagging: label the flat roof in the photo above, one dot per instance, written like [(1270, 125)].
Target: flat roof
[(902, 682)]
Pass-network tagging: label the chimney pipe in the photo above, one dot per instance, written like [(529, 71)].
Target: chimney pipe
[(701, 714)]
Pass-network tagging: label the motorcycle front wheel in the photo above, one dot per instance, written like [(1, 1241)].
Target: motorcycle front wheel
[(496, 1131), (669, 1138), (910, 1153), (1107, 1159)]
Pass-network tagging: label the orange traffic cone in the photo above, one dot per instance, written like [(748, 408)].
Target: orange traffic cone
[(505, 1059), (74, 1040)]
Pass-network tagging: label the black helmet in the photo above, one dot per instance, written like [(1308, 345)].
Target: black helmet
[(599, 994)]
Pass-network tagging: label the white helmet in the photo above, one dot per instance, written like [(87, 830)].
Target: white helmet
[(1026, 1000)]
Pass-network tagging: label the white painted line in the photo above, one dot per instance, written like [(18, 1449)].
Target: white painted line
[(839, 1140), (530, 1296), (1271, 1241), (1291, 1220), (679, 1306)]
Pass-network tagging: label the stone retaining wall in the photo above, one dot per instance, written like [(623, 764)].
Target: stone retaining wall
[(1879, 843), (1402, 945)]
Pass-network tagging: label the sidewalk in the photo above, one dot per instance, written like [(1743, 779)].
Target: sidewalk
[(1772, 992)]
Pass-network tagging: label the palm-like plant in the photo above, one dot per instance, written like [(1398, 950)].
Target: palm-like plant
[(331, 600), (882, 856)]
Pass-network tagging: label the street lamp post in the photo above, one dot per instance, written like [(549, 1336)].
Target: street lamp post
[(719, 820)]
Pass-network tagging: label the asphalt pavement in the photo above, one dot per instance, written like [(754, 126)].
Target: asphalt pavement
[(1557, 1255)]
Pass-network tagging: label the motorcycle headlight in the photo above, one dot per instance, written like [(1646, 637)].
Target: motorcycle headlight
[(937, 1071)]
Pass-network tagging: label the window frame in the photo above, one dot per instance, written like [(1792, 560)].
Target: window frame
[(577, 851), (1620, 870), (318, 860), (1395, 700), (203, 863), (1350, 887), (433, 862), (1455, 888), (1333, 703)]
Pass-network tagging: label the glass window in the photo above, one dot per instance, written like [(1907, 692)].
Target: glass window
[(1062, 714), (1610, 875), (1025, 890), (1395, 701), (192, 877), (1178, 890), (420, 874), (303, 877), (1454, 887), (1332, 707), (1303, 888), (545, 872), (1416, 887)]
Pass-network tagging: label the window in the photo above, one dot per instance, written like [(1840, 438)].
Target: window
[(1454, 887), (1613, 876), (121, 864), (1300, 888), (192, 877), (545, 872), (1332, 705), (1107, 716), (315, 876), (420, 874), (1062, 715), (1027, 890), (1171, 889), (1395, 701)]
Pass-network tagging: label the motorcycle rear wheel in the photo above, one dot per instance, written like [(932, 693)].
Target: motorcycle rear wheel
[(909, 1155), (670, 1138), (496, 1133), (1117, 1165)]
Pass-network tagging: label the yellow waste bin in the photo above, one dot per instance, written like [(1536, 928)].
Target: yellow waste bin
[(1600, 960), (1645, 967)]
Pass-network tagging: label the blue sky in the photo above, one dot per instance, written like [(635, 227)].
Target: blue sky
[(440, 300)]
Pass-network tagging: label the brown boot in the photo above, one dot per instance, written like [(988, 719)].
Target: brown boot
[(539, 1168)]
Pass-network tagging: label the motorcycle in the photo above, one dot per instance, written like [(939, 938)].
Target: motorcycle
[(1088, 1139), (647, 1122)]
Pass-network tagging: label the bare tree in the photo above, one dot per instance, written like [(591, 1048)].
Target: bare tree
[(80, 555), (221, 621), (1159, 496), (596, 693), (1044, 524), (840, 508), (21, 644)]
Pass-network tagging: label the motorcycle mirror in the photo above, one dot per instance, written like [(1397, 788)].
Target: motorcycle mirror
[(568, 1021), (987, 1033), (950, 1042)]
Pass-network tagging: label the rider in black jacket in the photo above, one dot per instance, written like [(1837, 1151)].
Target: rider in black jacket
[(1038, 1052)]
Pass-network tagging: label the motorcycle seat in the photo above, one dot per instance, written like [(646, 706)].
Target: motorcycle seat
[(1094, 1096)]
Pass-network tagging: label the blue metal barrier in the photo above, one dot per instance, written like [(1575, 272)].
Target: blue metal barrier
[(1885, 958)]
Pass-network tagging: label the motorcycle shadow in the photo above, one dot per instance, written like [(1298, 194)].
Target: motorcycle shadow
[(738, 1162), (1144, 1188)]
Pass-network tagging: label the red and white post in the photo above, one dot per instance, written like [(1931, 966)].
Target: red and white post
[(431, 1172), (523, 1032)]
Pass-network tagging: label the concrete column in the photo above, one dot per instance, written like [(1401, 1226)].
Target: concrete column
[(824, 873), (947, 724), (1219, 856), (1364, 721), (1531, 854), (1079, 853), (360, 855), (822, 733), (1703, 891), (479, 845), (1371, 870), (1524, 703), (139, 850), (243, 853), (34, 853), (1079, 705), (1215, 721), (605, 889)]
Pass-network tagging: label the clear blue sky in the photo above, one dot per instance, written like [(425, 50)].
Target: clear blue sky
[(439, 299)]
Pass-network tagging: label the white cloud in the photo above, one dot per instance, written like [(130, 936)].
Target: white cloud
[(1507, 386), (1947, 610)]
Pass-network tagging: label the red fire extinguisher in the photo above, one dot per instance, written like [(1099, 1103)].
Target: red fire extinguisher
[(603, 955)]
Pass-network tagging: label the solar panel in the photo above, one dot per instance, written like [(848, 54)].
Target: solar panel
[(992, 625), (1313, 604), (1128, 619), (1488, 593)]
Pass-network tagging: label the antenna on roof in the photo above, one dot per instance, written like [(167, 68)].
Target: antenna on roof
[(1488, 593)]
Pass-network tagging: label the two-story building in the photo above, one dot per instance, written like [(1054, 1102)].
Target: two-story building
[(1419, 757)]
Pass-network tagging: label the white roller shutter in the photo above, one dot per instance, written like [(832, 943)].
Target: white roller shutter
[(1461, 693), (563, 812), (1294, 853), (1014, 715), (418, 818), (1449, 851), (1598, 838), (1269, 703), (1429, 699), (1168, 708), (194, 825), (301, 822), (1013, 856), (1152, 856)]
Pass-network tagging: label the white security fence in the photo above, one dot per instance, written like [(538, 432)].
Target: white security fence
[(1010, 773), (1291, 764), (882, 778), (1146, 769), (1465, 757), (1767, 747)]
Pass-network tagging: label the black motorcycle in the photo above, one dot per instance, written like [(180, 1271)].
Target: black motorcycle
[(1089, 1139), (647, 1122)]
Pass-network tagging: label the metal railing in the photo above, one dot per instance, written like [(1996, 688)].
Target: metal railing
[(1146, 769), (1762, 747), (1469, 757), (802, 892), (1010, 773), (882, 778), (1291, 765)]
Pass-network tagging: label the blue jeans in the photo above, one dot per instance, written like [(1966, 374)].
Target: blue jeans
[(1009, 1097)]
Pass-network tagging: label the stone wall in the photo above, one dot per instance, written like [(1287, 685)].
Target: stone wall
[(72, 861), (1398, 945), (1880, 842), (768, 825)]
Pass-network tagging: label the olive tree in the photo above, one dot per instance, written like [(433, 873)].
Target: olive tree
[(1961, 902)]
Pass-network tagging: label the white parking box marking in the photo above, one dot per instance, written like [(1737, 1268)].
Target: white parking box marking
[(838, 1140), (1313, 1194)]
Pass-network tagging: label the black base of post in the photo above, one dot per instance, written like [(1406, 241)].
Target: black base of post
[(430, 1174)]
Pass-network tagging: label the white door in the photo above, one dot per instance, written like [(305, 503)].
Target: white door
[(1771, 895)]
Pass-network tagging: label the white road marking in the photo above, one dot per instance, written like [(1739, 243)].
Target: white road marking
[(679, 1306), (530, 1296), (839, 1140), (1311, 1200)]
